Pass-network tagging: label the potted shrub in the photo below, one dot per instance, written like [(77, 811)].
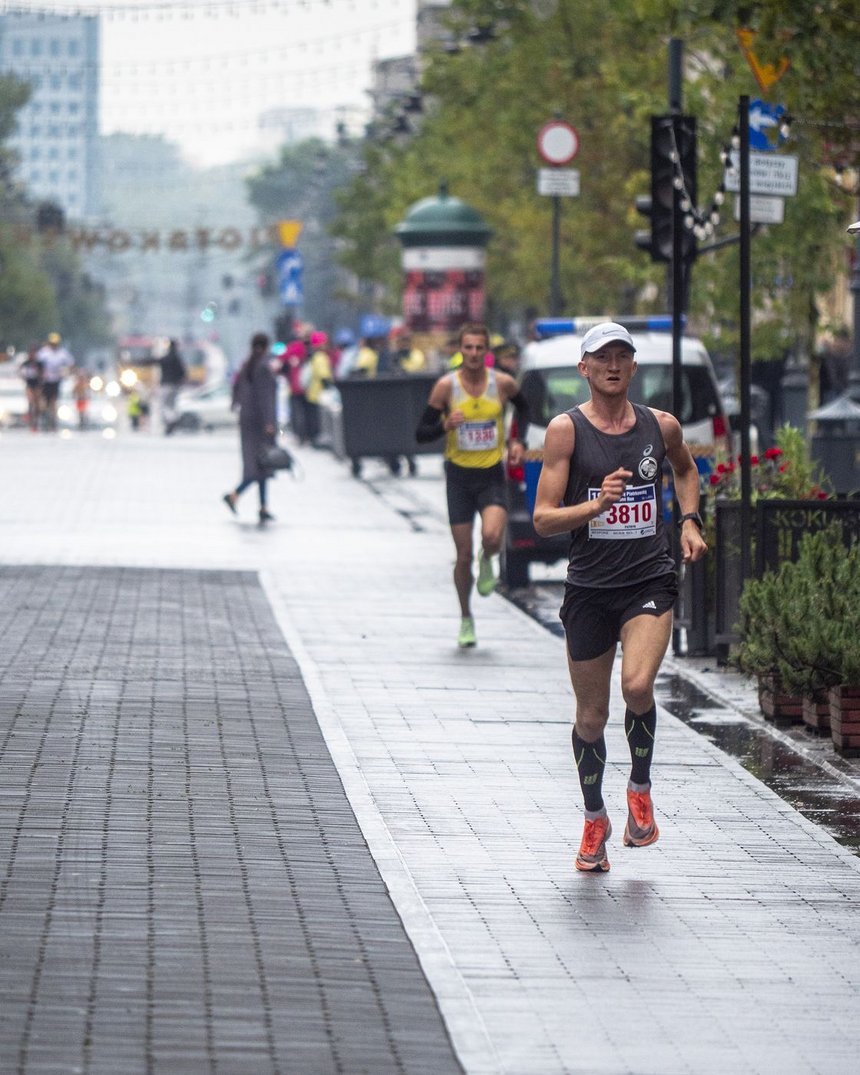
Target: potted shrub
[(799, 628)]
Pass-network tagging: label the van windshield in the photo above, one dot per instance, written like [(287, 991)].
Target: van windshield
[(552, 391)]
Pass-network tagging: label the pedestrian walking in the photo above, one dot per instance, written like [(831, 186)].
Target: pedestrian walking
[(56, 361), (255, 397), (467, 406), (320, 378), (31, 374), (172, 377), (81, 393), (602, 480)]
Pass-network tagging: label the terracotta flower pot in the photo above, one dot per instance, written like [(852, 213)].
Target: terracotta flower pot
[(845, 719)]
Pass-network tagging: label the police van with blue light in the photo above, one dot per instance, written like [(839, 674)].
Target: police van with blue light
[(551, 382)]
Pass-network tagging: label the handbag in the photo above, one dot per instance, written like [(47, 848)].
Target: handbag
[(275, 457)]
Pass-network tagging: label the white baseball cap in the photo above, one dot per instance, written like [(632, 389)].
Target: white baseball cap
[(605, 332)]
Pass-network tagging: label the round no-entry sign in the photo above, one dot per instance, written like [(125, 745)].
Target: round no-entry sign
[(557, 142)]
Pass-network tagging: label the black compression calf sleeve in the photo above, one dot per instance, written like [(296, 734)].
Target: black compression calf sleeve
[(590, 761), (640, 730)]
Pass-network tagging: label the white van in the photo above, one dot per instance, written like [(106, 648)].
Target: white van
[(552, 384)]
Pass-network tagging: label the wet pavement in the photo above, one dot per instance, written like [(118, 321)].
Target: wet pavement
[(796, 762), (267, 740)]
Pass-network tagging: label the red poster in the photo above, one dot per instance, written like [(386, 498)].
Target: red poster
[(442, 301)]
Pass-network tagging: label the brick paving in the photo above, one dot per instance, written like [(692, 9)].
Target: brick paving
[(184, 887), (728, 946)]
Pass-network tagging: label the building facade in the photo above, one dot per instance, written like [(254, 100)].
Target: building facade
[(57, 136)]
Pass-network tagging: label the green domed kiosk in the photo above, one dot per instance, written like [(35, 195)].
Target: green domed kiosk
[(444, 251)]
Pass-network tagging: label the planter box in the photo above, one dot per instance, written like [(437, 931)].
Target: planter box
[(816, 711), (845, 720), (776, 705)]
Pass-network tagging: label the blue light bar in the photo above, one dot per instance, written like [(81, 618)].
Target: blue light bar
[(545, 327)]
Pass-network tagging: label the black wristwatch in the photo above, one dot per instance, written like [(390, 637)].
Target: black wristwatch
[(695, 516)]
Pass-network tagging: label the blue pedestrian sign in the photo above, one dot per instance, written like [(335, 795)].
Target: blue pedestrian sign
[(289, 265), (765, 126)]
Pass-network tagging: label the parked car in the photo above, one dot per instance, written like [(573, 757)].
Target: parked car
[(207, 408), (102, 411), (551, 382), (13, 397)]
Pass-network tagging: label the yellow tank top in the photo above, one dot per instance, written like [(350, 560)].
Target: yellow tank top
[(478, 442)]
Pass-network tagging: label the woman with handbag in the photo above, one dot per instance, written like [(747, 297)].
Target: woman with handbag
[(255, 395)]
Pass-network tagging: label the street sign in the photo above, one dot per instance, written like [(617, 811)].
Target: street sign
[(765, 74), (561, 182), (557, 142), (770, 173), (765, 118), (288, 233), (763, 210), (289, 265)]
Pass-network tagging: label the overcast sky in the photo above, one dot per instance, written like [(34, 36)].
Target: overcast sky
[(201, 71)]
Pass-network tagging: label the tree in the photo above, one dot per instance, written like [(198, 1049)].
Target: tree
[(603, 67)]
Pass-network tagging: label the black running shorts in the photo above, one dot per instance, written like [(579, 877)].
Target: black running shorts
[(471, 489), (593, 618)]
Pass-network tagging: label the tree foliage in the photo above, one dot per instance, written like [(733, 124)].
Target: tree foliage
[(603, 67)]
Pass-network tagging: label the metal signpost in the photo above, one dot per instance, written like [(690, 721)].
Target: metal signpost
[(558, 144)]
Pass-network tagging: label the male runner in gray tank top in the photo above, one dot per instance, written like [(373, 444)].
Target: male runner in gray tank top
[(601, 480)]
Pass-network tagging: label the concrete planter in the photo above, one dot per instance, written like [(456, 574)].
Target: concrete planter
[(845, 720)]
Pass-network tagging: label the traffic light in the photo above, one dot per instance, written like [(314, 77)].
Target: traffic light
[(673, 159)]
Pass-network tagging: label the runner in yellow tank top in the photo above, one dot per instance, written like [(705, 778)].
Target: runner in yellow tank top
[(477, 441), (467, 406)]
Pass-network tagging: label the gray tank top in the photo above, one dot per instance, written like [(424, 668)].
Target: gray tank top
[(629, 543)]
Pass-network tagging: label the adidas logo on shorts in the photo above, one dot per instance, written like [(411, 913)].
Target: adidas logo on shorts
[(650, 604)]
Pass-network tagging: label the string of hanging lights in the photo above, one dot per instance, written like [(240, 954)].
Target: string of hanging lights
[(703, 222)]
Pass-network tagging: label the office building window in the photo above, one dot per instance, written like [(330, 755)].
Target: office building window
[(74, 48), (56, 82), (54, 46), (17, 46), (35, 47)]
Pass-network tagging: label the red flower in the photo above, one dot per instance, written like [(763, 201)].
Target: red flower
[(715, 479), (773, 453), (754, 460)]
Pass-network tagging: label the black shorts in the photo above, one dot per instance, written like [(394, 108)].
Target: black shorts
[(471, 489), (593, 618), (50, 391)]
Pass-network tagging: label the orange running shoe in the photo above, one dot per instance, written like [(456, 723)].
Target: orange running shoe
[(641, 829), (592, 851)]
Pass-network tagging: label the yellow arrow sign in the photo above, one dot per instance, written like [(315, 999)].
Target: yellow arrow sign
[(766, 74), (288, 233)]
